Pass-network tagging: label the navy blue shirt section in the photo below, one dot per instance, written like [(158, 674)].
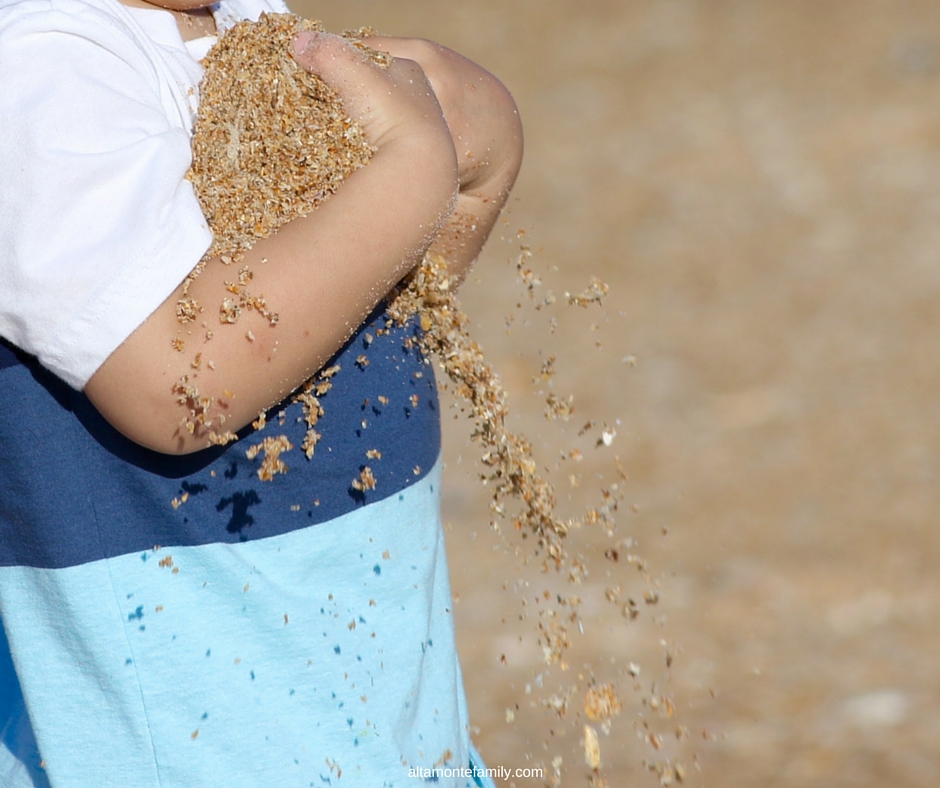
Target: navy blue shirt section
[(7, 355), (73, 490)]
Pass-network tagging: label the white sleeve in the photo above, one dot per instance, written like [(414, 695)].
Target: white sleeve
[(98, 225), (228, 12)]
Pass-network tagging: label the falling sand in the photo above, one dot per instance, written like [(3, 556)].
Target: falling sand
[(270, 146)]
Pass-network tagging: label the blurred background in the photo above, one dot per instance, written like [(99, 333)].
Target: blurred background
[(759, 184)]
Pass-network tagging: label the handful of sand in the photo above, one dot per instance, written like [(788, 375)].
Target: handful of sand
[(271, 140)]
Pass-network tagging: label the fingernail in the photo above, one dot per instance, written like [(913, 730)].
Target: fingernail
[(304, 41)]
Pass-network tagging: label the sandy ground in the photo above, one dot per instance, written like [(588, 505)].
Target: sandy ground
[(759, 183)]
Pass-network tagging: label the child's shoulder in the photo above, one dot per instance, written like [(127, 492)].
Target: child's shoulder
[(94, 20), (90, 14), (26, 8)]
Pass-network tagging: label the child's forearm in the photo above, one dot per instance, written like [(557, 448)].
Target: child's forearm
[(489, 155), (323, 274), (470, 224)]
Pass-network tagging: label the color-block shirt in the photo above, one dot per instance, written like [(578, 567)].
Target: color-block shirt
[(175, 621)]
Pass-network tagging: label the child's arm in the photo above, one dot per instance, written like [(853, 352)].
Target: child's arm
[(487, 132), (325, 272)]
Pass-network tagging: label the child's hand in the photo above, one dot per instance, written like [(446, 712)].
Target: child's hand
[(487, 133), (393, 104), (480, 112)]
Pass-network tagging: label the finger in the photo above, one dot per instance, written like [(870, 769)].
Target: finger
[(342, 66), (429, 55)]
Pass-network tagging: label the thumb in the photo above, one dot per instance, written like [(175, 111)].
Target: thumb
[(388, 102), (340, 65)]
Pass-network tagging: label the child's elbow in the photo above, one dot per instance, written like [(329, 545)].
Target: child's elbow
[(145, 405), (158, 426)]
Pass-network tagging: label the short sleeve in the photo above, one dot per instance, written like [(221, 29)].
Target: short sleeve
[(98, 224)]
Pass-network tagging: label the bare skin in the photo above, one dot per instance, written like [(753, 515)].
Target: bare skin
[(487, 133), (192, 16), (328, 270)]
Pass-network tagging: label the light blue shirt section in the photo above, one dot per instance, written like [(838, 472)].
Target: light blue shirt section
[(333, 656)]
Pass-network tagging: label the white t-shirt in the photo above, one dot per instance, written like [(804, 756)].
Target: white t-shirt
[(98, 225)]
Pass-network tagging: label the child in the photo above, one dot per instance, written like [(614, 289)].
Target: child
[(167, 618)]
